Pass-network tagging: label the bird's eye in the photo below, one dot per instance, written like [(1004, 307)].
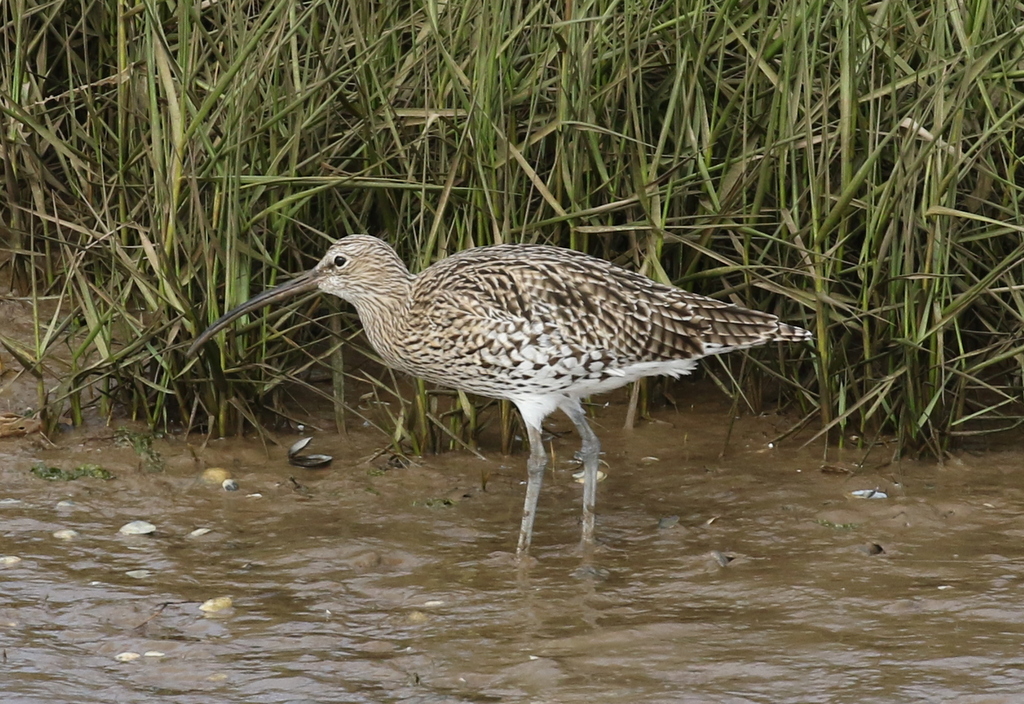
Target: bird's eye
[(340, 261)]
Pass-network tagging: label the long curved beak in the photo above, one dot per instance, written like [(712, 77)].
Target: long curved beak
[(300, 284)]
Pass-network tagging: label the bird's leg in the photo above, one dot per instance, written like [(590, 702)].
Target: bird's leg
[(535, 477), (589, 453)]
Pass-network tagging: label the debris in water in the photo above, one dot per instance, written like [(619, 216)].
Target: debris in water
[(13, 425), (199, 532), (127, 657), (56, 474), (65, 534), (139, 574), (9, 560), (229, 485)]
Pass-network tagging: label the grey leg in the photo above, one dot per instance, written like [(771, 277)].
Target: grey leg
[(535, 477), (589, 454)]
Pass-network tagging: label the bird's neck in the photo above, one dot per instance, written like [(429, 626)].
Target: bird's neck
[(383, 312)]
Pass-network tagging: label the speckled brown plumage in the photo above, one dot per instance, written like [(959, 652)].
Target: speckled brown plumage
[(541, 326)]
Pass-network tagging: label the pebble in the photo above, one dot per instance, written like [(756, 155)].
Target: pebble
[(591, 573), (199, 532), (65, 534), (216, 475), (871, 549), (139, 574), (153, 654), (137, 528), (416, 617), (212, 606), (229, 485), (668, 522), (432, 604), (127, 657), (9, 560)]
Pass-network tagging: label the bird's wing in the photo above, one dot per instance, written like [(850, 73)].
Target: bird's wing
[(586, 303)]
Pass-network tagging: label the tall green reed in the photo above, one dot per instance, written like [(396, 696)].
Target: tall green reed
[(851, 167)]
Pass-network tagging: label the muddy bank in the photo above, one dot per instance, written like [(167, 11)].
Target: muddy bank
[(748, 576)]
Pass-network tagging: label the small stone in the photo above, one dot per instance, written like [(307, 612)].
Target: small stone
[(432, 604), (139, 574), (65, 534), (591, 573), (216, 475), (199, 532), (229, 485), (212, 606), (137, 528), (152, 654), (9, 560), (416, 617), (871, 549), (668, 522), (127, 657)]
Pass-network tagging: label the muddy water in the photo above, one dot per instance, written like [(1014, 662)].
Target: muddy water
[(364, 583)]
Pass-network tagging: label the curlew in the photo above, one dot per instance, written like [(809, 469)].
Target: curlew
[(540, 326)]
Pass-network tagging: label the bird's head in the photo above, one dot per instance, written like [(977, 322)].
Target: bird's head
[(358, 268)]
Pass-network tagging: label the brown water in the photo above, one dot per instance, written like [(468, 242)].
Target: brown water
[(363, 585)]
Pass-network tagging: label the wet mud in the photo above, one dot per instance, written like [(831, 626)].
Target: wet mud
[(725, 572)]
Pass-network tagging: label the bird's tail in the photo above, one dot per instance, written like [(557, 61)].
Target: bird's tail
[(791, 333)]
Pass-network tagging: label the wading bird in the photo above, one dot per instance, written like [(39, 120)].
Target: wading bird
[(540, 326)]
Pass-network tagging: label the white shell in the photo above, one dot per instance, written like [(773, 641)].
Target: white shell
[(578, 476), (298, 446), (137, 528), (869, 494)]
